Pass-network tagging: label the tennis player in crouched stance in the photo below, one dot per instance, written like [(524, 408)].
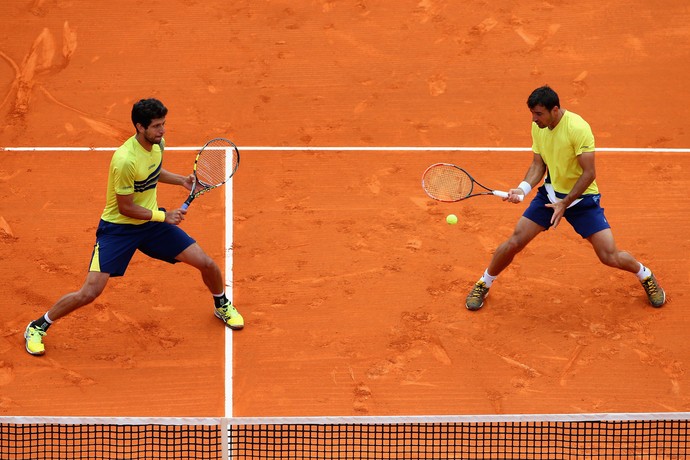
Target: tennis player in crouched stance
[(563, 146), (133, 221)]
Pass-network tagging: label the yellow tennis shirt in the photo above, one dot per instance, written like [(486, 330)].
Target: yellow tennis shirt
[(560, 147), (133, 171)]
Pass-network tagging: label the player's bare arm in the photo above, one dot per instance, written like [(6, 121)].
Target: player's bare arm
[(127, 207), (535, 173), (168, 177)]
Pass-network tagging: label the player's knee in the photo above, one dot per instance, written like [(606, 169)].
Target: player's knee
[(208, 265), (514, 245), (86, 296), (608, 258)]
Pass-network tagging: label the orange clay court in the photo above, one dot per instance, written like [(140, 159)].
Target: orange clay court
[(350, 281)]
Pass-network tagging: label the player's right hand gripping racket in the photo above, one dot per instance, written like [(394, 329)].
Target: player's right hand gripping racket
[(447, 182), (214, 165)]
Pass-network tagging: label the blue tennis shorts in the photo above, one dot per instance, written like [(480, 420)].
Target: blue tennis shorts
[(586, 217), (117, 243)]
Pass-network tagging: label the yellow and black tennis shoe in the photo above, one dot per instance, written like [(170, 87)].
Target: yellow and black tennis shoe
[(475, 300), (655, 294), (230, 316)]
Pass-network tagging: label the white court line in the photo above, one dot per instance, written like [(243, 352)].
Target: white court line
[(229, 277), (348, 148)]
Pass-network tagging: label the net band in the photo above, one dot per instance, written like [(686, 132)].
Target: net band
[(650, 435)]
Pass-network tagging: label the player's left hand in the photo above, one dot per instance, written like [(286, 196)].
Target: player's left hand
[(558, 211), (175, 217), (188, 182)]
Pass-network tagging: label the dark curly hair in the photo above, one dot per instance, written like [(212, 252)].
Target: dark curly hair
[(146, 110), (545, 96)]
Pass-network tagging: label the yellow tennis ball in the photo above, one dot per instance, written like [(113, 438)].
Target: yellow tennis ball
[(452, 219)]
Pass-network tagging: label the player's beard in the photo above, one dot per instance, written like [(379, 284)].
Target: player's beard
[(152, 139)]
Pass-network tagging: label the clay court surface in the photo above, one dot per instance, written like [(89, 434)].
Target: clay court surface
[(350, 281)]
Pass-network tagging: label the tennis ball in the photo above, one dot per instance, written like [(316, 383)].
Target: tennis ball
[(452, 219)]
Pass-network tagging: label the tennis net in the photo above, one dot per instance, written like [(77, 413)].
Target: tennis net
[(529, 436)]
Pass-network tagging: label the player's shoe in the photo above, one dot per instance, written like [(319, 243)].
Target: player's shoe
[(655, 294), (475, 299), (230, 316), (34, 340)]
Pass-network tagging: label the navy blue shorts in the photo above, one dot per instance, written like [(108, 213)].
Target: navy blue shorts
[(586, 217), (117, 243)]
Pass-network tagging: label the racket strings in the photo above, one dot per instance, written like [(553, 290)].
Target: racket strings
[(447, 183), (212, 168)]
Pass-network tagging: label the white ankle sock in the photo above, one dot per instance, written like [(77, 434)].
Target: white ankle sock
[(644, 273), (488, 279)]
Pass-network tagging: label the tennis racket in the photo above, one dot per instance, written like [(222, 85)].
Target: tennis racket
[(214, 165), (447, 182)]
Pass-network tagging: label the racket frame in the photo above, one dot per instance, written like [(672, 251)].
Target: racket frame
[(489, 191), (193, 193)]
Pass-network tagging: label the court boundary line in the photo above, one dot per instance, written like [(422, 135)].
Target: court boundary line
[(228, 217), (350, 148)]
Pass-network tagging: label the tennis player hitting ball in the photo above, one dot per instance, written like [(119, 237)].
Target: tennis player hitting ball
[(563, 146)]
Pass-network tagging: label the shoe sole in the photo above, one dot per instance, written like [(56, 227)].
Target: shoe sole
[(234, 328)]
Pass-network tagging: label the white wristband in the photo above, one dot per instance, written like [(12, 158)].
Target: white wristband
[(525, 187)]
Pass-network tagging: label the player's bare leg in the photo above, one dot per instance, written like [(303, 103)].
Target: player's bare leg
[(605, 247), (93, 287), (213, 279), (525, 231), (210, 272)]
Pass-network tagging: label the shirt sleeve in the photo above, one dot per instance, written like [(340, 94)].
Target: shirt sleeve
[(123, 176), (583, 139)]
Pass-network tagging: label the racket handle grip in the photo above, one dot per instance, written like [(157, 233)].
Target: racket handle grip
[(505, 194), (184, 206)]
